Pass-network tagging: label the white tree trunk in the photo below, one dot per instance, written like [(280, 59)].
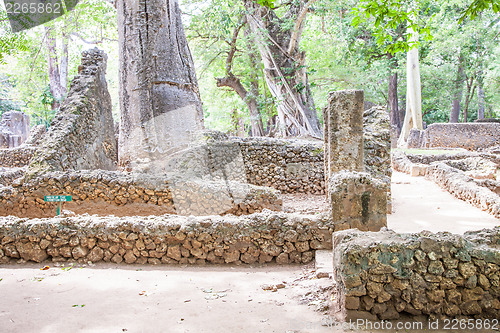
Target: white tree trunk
[(413, 116)]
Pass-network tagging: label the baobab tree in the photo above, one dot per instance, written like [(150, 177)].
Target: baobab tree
[(159, 98)]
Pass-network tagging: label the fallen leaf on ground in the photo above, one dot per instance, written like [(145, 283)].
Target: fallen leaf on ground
[(142, 293), (78, 305), (44, 268)]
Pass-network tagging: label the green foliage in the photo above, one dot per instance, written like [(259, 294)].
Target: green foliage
[(478, 6), (25, 63), (388, 16)]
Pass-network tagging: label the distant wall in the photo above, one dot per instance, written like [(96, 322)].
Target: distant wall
[(168, 239), (384, 275), (471, 136)]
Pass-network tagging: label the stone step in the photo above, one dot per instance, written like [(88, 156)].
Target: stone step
[(324, 263)]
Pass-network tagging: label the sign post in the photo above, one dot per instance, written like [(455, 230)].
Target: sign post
[(59, 199)]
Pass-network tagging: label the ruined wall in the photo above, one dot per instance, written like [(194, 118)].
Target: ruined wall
[(122, 194), (14, 129), (81, 135), (169, 239), (384, 275), (464, 187), (16, 157), (287, 165), (471, 136)]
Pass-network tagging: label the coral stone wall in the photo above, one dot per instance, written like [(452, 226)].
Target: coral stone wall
[(16, 157), (168, 239), (108, 192), (471, 177), (81, 135), (385, 275), (471, 136)]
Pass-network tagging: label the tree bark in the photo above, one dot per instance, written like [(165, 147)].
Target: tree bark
[(480, 96), (471, 90), (255, 112), (53, 69), (458, 90), (160, 104), (284, 63), (413, 116), (64, 65)]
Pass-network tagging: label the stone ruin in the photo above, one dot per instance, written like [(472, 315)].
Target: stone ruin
[(470, 176), (215, 175), (470, 136), (14, 129), (218, 200)]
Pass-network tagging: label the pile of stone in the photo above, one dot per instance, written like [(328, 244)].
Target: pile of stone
[(168, 239), (118, 193), (385, 275)]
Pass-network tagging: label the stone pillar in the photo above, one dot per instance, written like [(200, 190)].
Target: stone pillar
[(343, 119), (357, 199)]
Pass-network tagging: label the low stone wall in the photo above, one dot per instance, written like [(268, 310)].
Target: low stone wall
[(7, 176), (384, 275), (168, 239), (109, 192), (471, 136), (464, 187), (16, 157), (469, 176)]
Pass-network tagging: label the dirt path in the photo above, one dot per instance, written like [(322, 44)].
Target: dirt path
[(419, 204), (110, 298)]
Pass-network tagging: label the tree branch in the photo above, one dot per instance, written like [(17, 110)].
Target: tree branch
[(297, 30), (99, 41)]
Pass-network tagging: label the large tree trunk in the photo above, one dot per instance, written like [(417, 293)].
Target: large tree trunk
[(393, 101), (413, 116), (53, 69), (285, 70), (63, 73), (160, 105), (457, 93), (255, 115), (480, 95)]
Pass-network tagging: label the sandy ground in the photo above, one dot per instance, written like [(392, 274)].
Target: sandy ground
[(123, 298), (419, 204)]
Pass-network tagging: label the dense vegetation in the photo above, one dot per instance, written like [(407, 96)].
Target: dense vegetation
[(337, 48)]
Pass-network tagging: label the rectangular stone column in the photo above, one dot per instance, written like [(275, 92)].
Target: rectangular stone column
[(343, 121), (357, 199)]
